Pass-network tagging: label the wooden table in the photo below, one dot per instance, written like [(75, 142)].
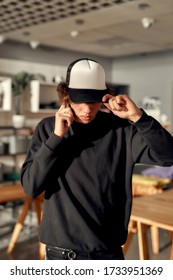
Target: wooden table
[(155, 211)]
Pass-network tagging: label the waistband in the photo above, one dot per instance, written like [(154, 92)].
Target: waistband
[(72, 254)]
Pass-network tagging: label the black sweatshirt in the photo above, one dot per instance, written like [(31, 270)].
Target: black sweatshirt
[(86, 177)]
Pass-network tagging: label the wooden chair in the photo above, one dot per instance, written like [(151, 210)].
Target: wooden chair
[(14, 192), (11, 192), (20, 222)]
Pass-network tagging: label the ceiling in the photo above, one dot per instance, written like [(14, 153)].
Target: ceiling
[(106, 28)]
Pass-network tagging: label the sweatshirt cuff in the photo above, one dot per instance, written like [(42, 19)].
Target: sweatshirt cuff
[(144, 122), (53, 141)]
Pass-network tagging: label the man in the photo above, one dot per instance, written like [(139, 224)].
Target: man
[(83, 159)]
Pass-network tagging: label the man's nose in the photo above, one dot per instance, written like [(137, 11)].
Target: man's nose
[(88, 107)]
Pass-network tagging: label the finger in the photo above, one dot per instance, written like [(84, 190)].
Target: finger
[(66, 116), (106, 98), (61, 108), (119, 104), (64, 110), (120, 100), (114, 105)]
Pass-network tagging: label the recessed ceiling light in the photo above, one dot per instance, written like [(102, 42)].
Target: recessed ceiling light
[(147, 22), (1, 39), (74, 33), (34, 44)]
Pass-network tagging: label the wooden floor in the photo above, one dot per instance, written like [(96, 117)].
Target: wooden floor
[(26, 247)]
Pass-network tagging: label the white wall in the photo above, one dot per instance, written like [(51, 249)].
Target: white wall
[(11, 67), (15, 57), (14, 66), (149, 75)]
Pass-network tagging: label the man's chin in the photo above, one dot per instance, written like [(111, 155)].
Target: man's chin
[(84, 120)]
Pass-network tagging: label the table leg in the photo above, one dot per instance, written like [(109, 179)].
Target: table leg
[(143, 241), (155, 239), (131, 231), (41, 251), (171, 257)]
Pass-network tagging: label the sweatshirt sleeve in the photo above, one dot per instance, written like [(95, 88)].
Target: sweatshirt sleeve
[(44, 151), (152, 144)]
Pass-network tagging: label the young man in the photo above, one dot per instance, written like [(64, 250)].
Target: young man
[(83, 159)]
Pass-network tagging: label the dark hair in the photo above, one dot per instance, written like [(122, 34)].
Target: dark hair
[(62, 90)]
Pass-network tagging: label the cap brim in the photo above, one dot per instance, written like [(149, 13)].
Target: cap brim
[(86, 95)]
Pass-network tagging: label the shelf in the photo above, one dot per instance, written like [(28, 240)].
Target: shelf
[(5, 94), (10, 127), (15, 154), (13, 147), (44, 96)]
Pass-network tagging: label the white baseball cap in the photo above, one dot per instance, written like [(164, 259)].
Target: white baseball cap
[(86, 81)]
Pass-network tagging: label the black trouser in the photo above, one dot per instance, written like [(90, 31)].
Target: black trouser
[(56, 253)]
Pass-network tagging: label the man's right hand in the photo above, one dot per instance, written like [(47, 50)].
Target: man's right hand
[(63, 119)]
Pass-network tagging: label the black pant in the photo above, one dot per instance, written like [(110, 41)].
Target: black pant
[(56, 253)]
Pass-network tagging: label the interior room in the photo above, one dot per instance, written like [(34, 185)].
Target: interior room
[(133, 41)]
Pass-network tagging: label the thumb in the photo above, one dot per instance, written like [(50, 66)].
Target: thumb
[(105, 100)]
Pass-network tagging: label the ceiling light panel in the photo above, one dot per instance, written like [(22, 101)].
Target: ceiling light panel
[(27, 13)]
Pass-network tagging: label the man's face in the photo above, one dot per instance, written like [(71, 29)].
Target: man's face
[(85, 112)]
